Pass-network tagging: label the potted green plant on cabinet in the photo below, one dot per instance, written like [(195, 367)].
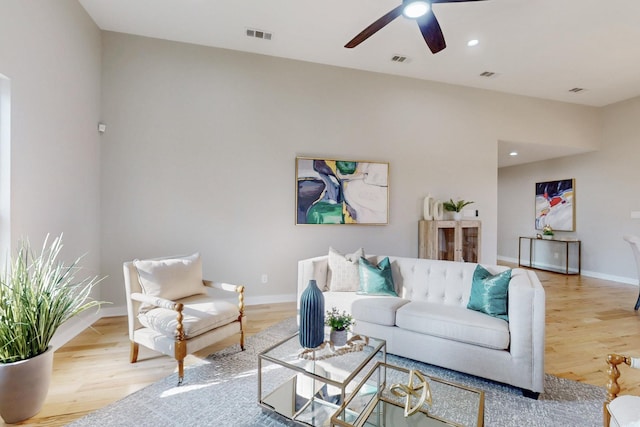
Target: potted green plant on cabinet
[(38, 294), (456, 208)]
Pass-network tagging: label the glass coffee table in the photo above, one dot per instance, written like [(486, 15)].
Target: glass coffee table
[(388, 392), (309, 386)]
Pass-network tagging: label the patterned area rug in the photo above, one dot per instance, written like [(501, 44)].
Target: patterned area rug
[(223, 392)]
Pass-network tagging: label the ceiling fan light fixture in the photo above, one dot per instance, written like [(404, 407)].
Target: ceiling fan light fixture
[(415, 9)]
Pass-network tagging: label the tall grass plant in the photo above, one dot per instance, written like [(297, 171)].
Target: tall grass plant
[(38, 293)]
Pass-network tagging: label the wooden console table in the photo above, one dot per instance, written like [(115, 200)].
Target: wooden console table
[(567, 243)]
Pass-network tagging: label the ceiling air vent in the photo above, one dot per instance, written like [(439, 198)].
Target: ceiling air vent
[(487, 74), (399, 58), (576, 89), (258, 34)]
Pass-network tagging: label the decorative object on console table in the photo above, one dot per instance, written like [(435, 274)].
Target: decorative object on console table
[(456, 208), (547, 232), (555, 205), (449, 240), (340, 324), (341, 192), (311, 316)]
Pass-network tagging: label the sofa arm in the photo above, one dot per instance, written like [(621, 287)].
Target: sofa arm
[(527, 320)]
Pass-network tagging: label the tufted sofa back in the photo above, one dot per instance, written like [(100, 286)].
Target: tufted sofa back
[(417, 279)]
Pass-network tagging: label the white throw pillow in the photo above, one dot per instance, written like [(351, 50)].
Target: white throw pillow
[(345, 276), (171, 278)]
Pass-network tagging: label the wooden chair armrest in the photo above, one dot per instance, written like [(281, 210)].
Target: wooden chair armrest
[(223, 286), (155, 301), (239, 289), (613, 360)]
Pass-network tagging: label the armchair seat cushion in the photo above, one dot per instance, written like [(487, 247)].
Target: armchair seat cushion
[(201, 314), (625, 411)]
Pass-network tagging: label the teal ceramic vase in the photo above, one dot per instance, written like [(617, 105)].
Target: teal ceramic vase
[(311, 316)]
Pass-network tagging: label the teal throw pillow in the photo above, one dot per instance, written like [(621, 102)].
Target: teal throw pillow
[(376, 279), (489, 293)]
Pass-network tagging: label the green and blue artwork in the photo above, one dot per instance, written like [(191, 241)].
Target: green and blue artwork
[(341, 192)]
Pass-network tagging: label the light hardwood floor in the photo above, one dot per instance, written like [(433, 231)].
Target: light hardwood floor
[(586, 319)]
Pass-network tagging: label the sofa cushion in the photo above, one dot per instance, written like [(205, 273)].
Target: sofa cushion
[(380, 310), (345, 276), (376, 279), (454, 323), (201, 314), (489, 292), (171, 278)]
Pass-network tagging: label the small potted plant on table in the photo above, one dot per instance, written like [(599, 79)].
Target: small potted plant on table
[(547, 232), (340, 324)]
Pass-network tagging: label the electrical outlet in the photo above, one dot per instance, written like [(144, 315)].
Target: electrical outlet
[(264, 278)]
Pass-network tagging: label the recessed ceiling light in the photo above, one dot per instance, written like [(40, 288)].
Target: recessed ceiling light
[(513, 153), (473, 42), (415, 9)]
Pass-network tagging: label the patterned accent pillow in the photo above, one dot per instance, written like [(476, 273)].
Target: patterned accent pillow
[(345, 276)]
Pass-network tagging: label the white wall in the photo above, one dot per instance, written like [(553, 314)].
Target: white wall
[(607, 190), (200, 147), (50, 53)]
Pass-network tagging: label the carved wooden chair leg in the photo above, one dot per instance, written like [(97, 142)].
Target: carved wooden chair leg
[(240, 291), (180, 344), (180, 371), (612, 386), (133, 353)]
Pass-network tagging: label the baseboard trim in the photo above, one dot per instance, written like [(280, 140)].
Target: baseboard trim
[(587, 273)]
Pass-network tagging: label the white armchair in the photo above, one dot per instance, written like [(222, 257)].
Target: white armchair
[(620, 411), (171, 311)]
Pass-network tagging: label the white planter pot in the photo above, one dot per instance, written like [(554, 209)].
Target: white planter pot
[(338, 338), (457, 216), (24, 386)]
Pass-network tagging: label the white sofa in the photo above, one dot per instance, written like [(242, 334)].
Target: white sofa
[(429, 320)]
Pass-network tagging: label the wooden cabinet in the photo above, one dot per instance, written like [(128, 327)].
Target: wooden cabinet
[(449, 240)]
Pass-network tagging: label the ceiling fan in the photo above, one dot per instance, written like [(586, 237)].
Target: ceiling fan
[(420, 10)]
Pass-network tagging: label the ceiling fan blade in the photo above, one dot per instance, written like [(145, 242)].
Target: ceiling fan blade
[(375, 27), (431, 32)]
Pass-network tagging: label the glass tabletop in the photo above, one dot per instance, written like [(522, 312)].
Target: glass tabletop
[(336, 366), (389, 391)]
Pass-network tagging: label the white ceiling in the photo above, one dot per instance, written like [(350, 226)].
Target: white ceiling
[(538, 48)]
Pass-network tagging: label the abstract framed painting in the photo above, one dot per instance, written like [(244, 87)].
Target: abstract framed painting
[(330, 191), (556, 205)]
